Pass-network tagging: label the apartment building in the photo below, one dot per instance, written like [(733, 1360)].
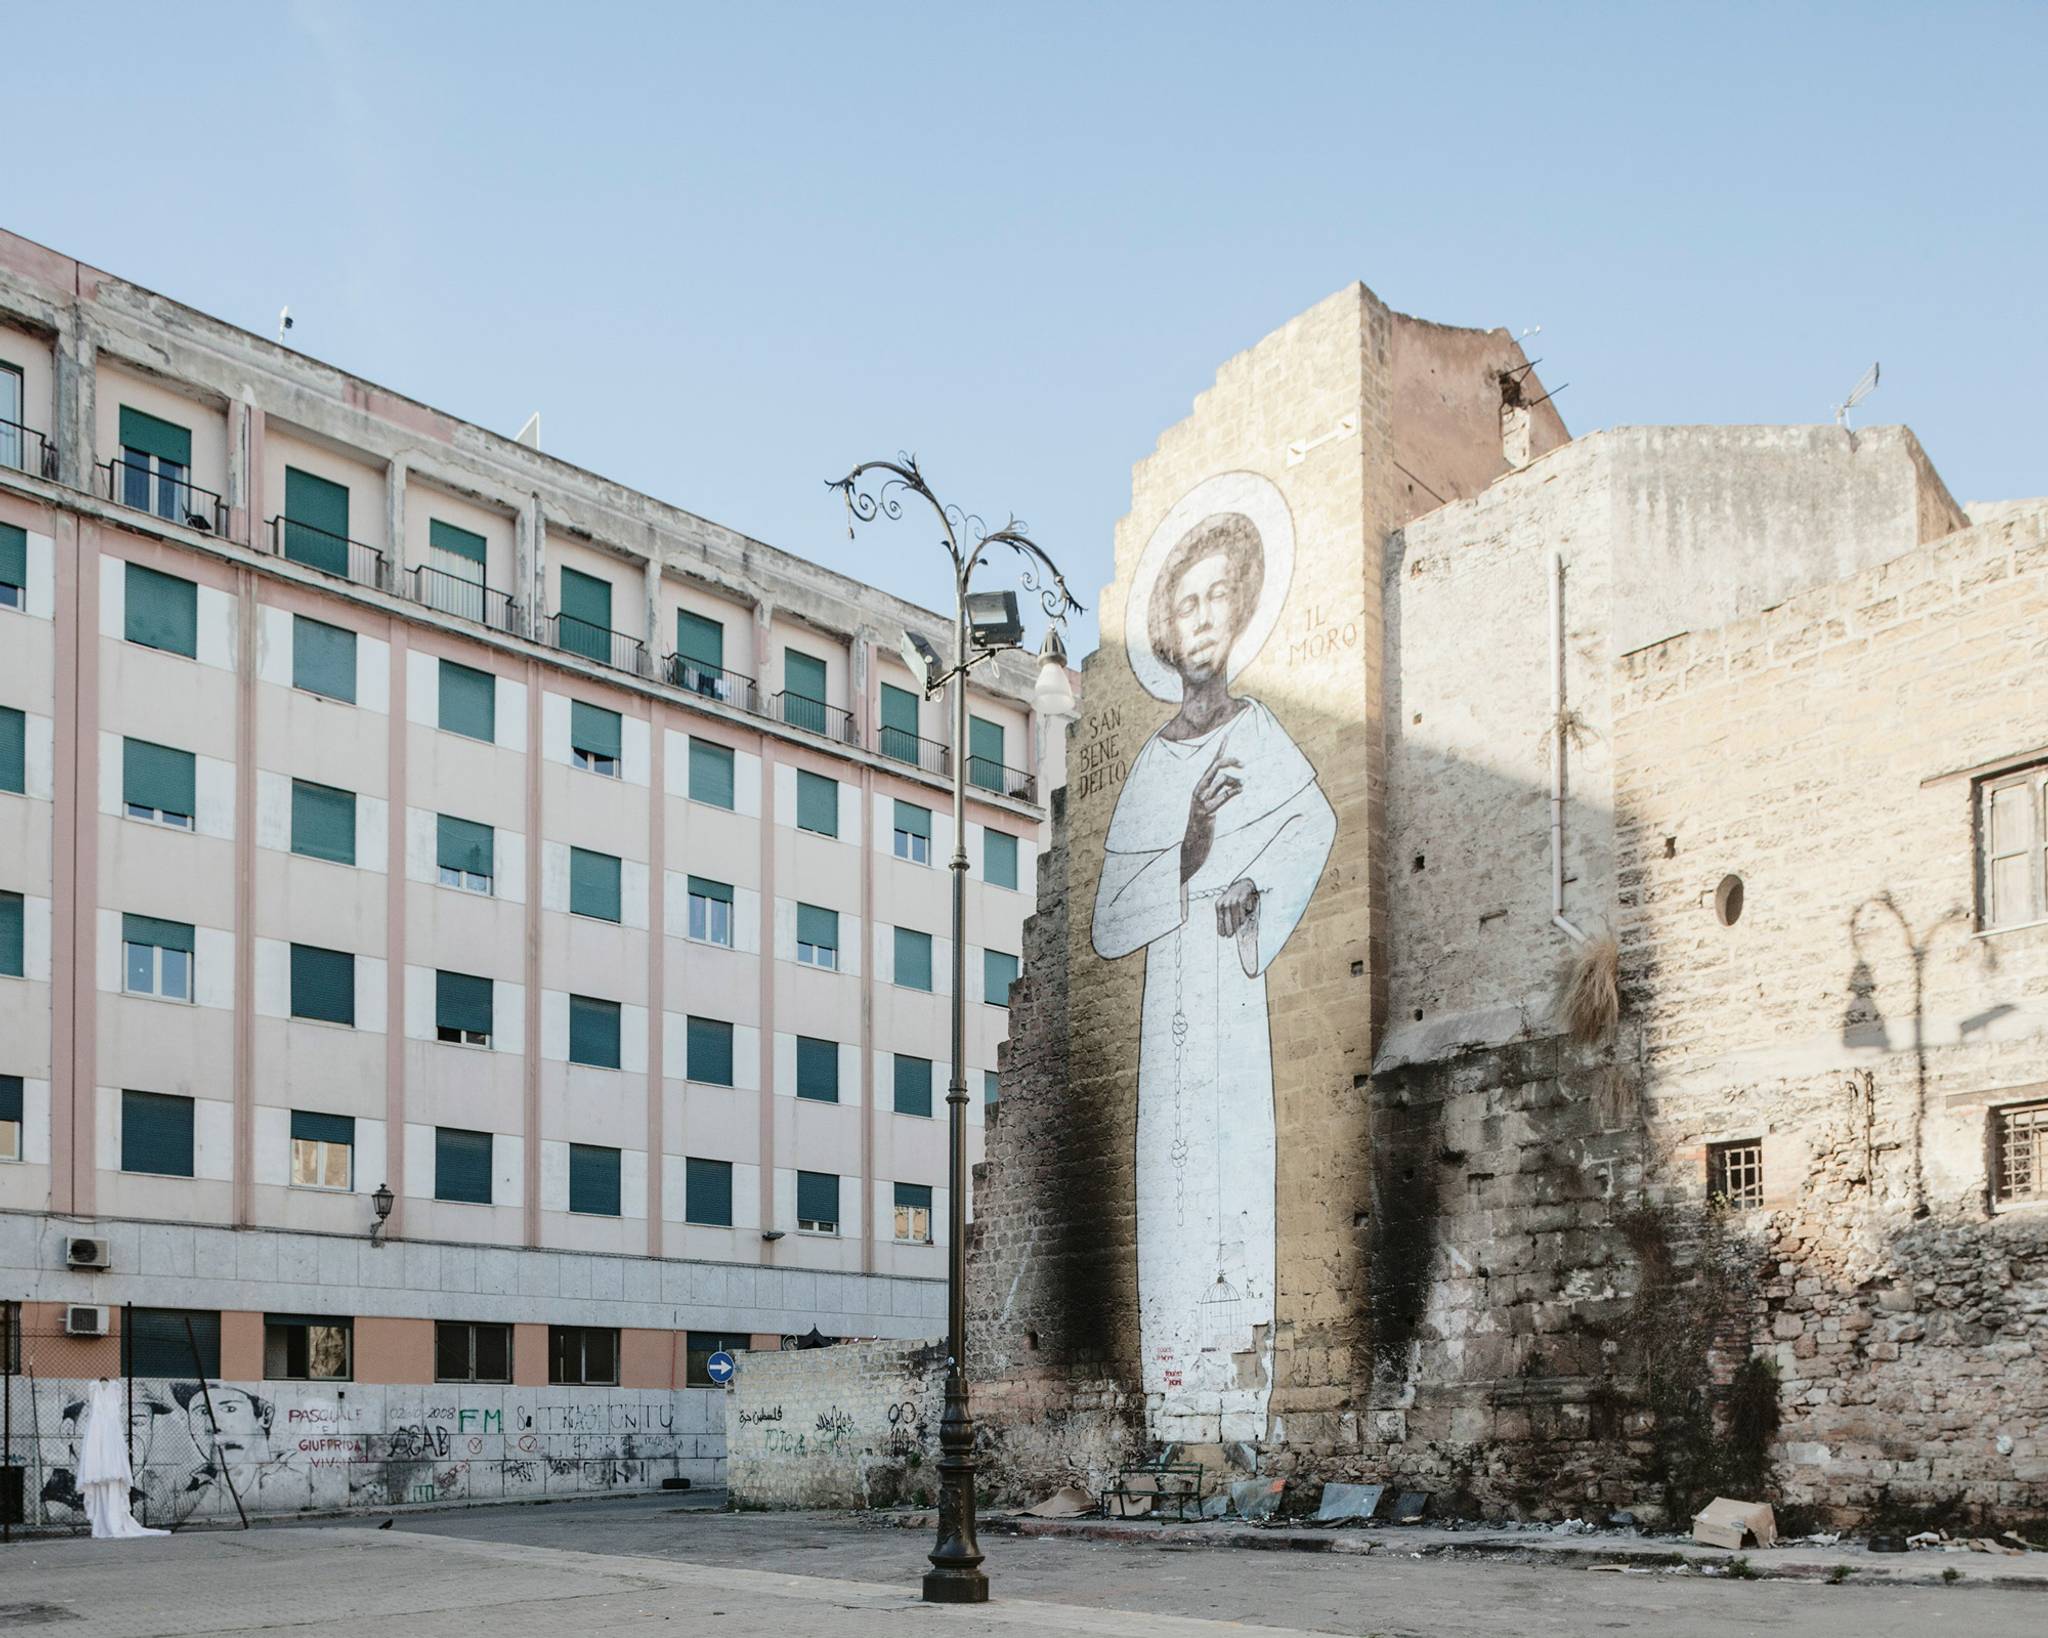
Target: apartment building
[(388, 806)]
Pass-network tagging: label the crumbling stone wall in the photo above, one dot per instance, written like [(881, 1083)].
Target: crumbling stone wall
[(852, 1425)]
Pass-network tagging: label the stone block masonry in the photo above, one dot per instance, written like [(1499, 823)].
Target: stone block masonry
[(855, 1425)]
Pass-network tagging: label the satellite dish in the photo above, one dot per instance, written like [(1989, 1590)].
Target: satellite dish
[(1866, 384)]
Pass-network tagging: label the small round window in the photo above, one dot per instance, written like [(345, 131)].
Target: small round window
[(1728, 901)]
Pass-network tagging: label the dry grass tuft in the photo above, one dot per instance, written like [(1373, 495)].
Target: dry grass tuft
[(1589, 999)]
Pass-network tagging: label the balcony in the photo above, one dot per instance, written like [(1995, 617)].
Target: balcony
[(465, 599), (990, 775), (925, 754), (23, 449), (154, 490), (727, 687), (594, 642), (814, 716), (330, 553)]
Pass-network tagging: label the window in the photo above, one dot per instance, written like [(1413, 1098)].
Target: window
[(469, 702), (13, 407), (462, 1166), (593, 1032), (817, 803), (13, 750), (711, 911), (584, 625), (817, 1202), (913, 833), (593, 1180), (323, 822), (898, 736), (156, 957), (2020, 1153), (323, 1150), (12, 964), (702, 1345), (462, 1009), (323, 985), (1735, 1173), (711, 773), (913, 1085), (700, 655), (455, 568), (817, 1069), (156, 1134), (985, 753), (13, 554), (323, 659), (182, 1342), (803, 690), (156, 465), (999, 858), (465, 1351), (991, 1087), (913, 959), (593, 884), (707, 1192), (914, 1213), (157, 783), (465, 852), (2013, 829), (162, 612), (10, 1117), (709, 1045), (817, 936), (316, 521), (594, 739), (998, 973), (583, 1355), (307, 1348)]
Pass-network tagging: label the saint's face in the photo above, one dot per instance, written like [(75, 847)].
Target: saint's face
[(1205, 618)]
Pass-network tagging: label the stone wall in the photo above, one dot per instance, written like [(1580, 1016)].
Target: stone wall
[(854, 1425)]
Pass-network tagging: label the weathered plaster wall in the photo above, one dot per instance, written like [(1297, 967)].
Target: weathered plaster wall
[(856, 1425)]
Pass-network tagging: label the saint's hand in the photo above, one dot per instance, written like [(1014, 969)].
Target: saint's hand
[(1238, 908), (1216, 787)]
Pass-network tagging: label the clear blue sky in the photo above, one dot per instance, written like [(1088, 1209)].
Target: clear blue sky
[(728, 250)]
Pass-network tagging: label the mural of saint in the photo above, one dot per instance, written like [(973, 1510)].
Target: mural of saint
[(1219, 837)]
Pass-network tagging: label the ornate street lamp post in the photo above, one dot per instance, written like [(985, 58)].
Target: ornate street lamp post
[(985, 624)]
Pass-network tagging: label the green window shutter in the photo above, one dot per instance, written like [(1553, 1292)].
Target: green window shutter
[(803, 690), (315, 1128), (585, 626), (445, 537), (913, 1085), (593, 884), (707, 1191), (817, 803), (998, 973), (915, 1196), (991, 1087), (323, 659), (916, 820), (817, 1197), (710, 1051), (323, 822), (323, 985), (11, 963), (593, 1032), (162, 612), (985, 753), (702, 887), (463, 844), (700, 641), (156, 776), (999, 858), (156, 1134), (462, 1001), (181, 1342), (147, 435), (13, 555), (164, 935), (817, 1069), (593, 1180), (898, 737), (13, 750), (10, 1098), (913, 959), (593, 730), (316, 521), (462, 1165), (469, 701), (711, 773), (817, 926)]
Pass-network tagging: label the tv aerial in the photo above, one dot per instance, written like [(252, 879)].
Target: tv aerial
[(1866, 384)]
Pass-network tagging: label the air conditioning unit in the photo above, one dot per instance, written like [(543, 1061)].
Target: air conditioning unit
[(82, 1251), (84, 1320)]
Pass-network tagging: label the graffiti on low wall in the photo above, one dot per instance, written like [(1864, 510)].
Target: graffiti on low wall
[(850, 1426)]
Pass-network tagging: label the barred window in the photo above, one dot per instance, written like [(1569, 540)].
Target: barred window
[(2012, 848), (2020, 1161), (1735, 1173)]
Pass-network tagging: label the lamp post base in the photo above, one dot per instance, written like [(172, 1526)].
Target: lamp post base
[(956, 1576)]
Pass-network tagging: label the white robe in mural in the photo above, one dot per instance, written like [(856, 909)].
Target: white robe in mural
[(1205, 1155)]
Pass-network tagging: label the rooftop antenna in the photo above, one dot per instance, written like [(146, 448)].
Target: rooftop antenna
[(529, 435), (284, 323), (1866, 385)]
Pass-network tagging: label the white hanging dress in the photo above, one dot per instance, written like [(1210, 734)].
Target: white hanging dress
[(104, 1476)]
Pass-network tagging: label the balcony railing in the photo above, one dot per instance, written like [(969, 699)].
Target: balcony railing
[(23, 449), (329, 553), (815, 716), (466, 599), (595, 642), (991, 775), (713, 683), (132, 483), (927, 754)]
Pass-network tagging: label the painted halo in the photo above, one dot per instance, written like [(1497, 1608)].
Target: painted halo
[(1259, 500)]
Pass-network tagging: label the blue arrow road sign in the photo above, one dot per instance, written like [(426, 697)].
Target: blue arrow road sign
[(719, 1367)]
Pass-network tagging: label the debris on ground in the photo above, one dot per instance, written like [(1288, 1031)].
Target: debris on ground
[(1725, 1522), (1067, 1502), (1257, 1498), (1349, 1501), (1410, 1505)]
